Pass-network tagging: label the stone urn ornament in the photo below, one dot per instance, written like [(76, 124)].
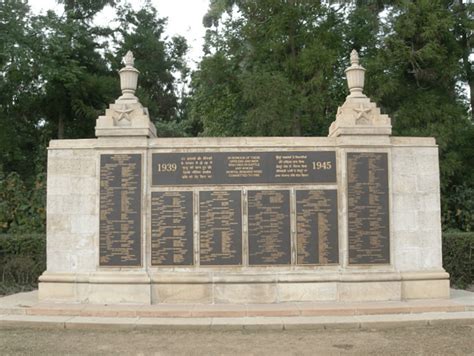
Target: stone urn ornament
[(128, 78), (126, 117), (355, 76)]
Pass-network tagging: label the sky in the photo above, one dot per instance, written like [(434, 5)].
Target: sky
[(184, 18)]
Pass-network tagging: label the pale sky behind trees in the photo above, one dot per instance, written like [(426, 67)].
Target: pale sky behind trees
[(184, 18)]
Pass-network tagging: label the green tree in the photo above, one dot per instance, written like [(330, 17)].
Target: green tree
[(58, 74), (77, 81), (463, 13), (271, 68), (161, 62), (416, 75), (19, 87)]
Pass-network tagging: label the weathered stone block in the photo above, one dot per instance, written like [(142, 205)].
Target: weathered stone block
[(182, 293), (428, 289), (119, 293), (245, 293), (369, 291), (306, 292)]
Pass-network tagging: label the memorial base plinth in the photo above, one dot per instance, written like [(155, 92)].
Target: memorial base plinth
[(218, 288)]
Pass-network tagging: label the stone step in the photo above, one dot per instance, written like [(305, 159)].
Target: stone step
[(237, 310), (27, 304), (238, 323)]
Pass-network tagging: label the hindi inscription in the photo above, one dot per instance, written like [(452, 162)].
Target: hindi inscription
[(120, 210), (368, 209), (316, 227), (200, 168), (269, 236), (171, 228), (220, 225)]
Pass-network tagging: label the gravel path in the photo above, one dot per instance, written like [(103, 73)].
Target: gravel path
[(432, 340)]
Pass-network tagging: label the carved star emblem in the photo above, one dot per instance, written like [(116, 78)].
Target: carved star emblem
[(123, 114), (362, 116)]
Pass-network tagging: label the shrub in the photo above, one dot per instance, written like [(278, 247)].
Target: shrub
[(458, 208), (22, 207), (458, 259), (22, 260)]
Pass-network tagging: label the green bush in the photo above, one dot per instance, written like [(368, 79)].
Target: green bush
[(458, 259), (22, 260), (458, 208), (22, 207)]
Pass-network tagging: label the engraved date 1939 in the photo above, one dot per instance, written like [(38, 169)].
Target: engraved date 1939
[(167, 167)]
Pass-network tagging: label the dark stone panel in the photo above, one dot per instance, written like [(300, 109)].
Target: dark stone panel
[(316, 227), (172, 228), (220, 226), (368, 208), (269, 227), (120, 210), (169, 169)]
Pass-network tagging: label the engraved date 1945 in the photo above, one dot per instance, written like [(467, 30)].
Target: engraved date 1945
[(324, 165)]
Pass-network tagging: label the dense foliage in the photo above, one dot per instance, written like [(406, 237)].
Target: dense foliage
[(22, 260), (458, 257), (270, 67)]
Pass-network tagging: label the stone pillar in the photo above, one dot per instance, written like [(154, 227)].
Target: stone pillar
[(358, 115), (127, 116)]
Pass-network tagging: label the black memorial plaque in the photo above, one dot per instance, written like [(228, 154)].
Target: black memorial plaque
[(368, 210), (316, 227), (220, 225), (269, 227), (120, 210), (200, 168), (171, 228)]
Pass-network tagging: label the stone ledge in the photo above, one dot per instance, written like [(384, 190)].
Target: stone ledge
[(215, 277), (303, 309), (183, 143), (254, 323)]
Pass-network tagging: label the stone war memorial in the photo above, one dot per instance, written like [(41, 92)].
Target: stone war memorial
[(132, 218)]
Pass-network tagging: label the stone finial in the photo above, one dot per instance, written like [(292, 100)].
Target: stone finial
[(129, 60), (354, 58), (126, 117), (358, 115), (355, 76), (128, 78)]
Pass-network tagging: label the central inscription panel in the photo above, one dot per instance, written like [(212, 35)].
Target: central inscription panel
[(269, 227), (220, 226), (243, 168)]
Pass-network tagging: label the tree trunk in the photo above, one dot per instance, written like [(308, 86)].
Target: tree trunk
[(467, 66), (296, 117), (466, 49), (296, 129), (60, 127), (471, 88)]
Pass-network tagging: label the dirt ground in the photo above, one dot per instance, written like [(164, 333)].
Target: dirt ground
[(432, 340)]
